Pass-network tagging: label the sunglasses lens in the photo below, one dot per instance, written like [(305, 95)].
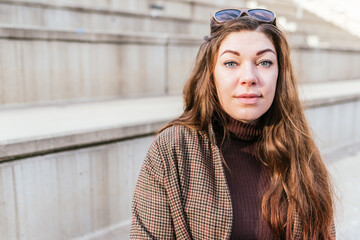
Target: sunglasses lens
[(226, 15), (262, 15)]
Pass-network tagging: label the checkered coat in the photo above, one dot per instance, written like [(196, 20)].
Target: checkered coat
[(182, 191)]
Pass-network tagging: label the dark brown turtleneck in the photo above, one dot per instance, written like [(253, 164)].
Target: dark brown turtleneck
[(247, 180)]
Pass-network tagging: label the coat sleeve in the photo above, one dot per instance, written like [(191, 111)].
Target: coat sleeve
[(151, 216)]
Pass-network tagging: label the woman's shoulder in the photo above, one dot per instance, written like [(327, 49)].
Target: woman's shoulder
[(170, 145), (179, 134), (176, 129)]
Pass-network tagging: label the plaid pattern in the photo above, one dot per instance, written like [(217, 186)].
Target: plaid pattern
[(182, 191)]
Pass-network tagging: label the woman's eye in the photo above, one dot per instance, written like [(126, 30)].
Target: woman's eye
[(230, 64), (265, 63)]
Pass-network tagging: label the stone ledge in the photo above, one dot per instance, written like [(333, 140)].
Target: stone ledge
[(80, 35), (43, 129), (85, 35), (83, 8), (329, 93), (39, 130), (113, 37)]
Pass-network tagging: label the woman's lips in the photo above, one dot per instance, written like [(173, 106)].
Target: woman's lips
[(248, 98)]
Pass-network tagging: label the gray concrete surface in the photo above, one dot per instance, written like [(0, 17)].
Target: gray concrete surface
[(46, 128), (346, 178), (75, 193)]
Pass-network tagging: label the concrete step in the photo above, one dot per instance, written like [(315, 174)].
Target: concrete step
[(74, 71), (175, 17), (46, 128), (29, 130), (307, 22), (333, 110), (90, 65), (58, 15), (317, 40)]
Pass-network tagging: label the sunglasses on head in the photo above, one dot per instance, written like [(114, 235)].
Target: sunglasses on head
[(260, 15)]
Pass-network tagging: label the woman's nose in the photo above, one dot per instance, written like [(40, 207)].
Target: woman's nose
[(248, 75)]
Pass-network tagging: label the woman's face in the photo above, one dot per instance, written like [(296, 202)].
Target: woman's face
[(245, 75)]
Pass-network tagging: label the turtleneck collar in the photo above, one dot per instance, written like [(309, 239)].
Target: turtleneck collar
[(243, 131)]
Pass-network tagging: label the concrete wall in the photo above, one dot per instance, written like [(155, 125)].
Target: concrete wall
[(336, 127), (39, 66), (313, 65), (70, 194)]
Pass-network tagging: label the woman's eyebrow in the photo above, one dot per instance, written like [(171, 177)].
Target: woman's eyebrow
[(264, 51), (230, 51), (257, 54)]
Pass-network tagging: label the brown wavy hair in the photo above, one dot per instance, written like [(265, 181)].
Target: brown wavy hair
[(299, 190)]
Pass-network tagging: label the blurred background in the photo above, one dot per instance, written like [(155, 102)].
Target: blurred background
[(85, 84)]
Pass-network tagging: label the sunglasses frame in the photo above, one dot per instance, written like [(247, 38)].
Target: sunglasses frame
[(242, 11)]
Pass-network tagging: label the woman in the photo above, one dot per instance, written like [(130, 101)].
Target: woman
[(239, 163)]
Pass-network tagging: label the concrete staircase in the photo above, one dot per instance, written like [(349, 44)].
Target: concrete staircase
[(60, 51), (85, 84)]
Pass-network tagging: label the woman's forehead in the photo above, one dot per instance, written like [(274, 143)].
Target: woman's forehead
[(246, 41)]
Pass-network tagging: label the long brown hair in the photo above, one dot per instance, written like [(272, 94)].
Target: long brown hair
[(299, 190)]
